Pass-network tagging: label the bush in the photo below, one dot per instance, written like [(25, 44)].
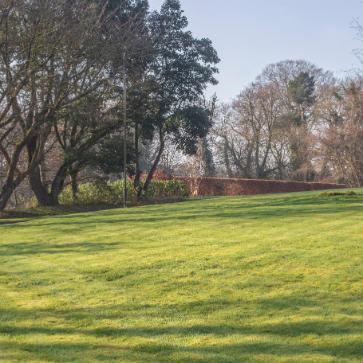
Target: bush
[(167, 189), (350, 193), (112, 192)]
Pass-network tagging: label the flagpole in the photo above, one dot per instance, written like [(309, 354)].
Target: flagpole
[(125, 128)]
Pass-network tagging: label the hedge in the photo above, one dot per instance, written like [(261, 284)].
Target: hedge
[(234, 186), (112, 192)]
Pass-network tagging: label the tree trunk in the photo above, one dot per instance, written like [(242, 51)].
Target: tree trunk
[(6, 192), (45, 197), (226, 159), (74, 183), (12, 181), (58, 184), (39, 189), (151, 173), (36, 181)]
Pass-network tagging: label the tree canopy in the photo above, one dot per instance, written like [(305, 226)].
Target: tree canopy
[(62, 75)]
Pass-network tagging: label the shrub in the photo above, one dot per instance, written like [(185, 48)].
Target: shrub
[(167, 189), (350, 193), (112, 192)]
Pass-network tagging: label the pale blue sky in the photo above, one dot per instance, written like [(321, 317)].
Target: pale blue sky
[(249, 34)]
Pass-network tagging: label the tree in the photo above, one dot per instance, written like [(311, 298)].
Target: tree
[(70, 84), (204, 156), (298, 83), (301, 94), (77, 130), (270, 129), (174, 80), (41, 47), (248, 132), (342, 137)]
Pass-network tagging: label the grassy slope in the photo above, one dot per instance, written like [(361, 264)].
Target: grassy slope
[(267, 278)]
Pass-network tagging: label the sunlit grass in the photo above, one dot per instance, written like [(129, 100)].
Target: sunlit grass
[(275, 278)]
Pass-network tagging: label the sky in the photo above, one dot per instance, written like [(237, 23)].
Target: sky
[(250, 34)]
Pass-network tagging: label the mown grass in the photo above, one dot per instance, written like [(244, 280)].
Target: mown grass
[(275, 278)]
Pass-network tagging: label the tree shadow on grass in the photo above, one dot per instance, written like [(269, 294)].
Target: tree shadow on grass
[(268, 339), (340, 338), (226, 208), (238, 213), (292, 329), (249, 349), (61, 352), (37, 248), (11, 222)]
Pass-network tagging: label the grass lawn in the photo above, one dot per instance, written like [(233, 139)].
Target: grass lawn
[(275, 278)]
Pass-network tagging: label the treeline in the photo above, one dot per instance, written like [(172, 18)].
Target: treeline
[(295, 121), (64, 67)]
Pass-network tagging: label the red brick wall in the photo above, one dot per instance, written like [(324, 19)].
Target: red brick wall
[(231, 186)]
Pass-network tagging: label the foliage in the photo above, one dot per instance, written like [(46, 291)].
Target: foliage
[(301, 89), (269, 131), (342, 141), (112, 192), (57, 98), (109, 155), (179, 71), (66, 66), (273, 278), (350, 193)]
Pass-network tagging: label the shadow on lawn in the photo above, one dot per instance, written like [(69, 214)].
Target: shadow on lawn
[(341, 338), (245, 351), (242, 213), (282, 330), (5, 223), (233, 207), (33, 248), (273, 341)]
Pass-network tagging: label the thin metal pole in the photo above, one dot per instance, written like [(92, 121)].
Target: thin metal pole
[(125, 127)]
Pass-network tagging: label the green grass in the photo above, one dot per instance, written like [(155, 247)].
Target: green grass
[(275, 278)]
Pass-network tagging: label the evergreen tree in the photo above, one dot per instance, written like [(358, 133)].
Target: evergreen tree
[(301, 93), (178, 72)]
